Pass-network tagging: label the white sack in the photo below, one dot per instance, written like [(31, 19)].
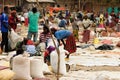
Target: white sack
[(54, 62), (36, 67), (21, 67), (14, 37), (46, 69)]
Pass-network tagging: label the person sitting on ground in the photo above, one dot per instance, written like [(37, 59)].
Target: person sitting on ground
[(60, 35), (45, 35), (28, 46)]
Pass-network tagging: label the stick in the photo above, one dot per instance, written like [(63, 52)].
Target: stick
[(57, 49)]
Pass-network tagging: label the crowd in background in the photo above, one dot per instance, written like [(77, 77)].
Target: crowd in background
[(58, 23)]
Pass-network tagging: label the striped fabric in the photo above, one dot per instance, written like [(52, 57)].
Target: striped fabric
[(44, 37), (86, 36)]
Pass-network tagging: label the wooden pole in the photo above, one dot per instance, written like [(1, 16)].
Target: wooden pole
[(3, 5), (79, 4), (57, 49)]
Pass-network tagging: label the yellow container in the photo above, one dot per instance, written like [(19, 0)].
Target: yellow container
[(96, 41)]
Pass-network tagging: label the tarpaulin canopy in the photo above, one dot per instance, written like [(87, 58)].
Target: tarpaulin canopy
[(55, 8), (50, 1), (10, 5)]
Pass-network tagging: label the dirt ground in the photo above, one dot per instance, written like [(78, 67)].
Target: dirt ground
[(86, 68)]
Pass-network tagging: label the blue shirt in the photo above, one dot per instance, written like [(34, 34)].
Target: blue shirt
[(4, 18), (62, 34)]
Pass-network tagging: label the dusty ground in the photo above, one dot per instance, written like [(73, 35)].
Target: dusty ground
[(76, 68), (88, 69)]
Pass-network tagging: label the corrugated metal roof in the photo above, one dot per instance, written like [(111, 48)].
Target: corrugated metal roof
[(51, 1)]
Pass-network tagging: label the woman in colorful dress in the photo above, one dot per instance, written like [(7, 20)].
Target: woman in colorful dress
[(13, 20), (70, 44), (86, 33)]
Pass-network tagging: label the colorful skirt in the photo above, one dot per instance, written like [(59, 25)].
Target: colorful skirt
[(70, 44), (86, 36), (101, 25), (75, 33)]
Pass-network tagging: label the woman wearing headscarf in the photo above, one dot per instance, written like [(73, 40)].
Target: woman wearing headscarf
[(13, 20)]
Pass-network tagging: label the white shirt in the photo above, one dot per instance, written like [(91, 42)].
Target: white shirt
[(110, 19), (25, 15), (86, 23)]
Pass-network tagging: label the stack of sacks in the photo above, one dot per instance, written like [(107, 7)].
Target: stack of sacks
[(27, 68)]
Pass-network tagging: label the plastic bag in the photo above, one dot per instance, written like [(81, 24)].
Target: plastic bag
[(14, 37)]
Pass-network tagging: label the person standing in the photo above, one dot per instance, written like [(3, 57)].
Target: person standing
[(33, 17), (0, 19), (86, 23), (13, 20), (5, 28), (75, 28)]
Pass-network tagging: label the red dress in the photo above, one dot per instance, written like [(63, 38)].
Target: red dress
[(13, 22)]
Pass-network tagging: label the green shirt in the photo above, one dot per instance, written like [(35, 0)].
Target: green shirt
[(33, 21)]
